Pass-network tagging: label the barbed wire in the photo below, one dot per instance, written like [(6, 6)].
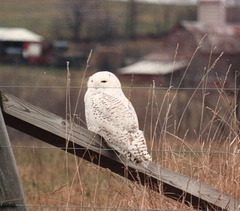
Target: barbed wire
[(109, 149), (88, 207), (125, 87)]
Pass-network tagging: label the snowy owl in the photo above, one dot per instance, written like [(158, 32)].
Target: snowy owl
[(111, 115)]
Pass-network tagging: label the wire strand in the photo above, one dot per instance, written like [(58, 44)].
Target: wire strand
[(88, 207), (109, 149), (124, 87)]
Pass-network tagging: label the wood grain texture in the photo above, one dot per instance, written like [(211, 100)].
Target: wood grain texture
[(11, 191), (53, 129)]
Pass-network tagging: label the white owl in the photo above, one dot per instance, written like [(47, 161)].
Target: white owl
[(111, 115)]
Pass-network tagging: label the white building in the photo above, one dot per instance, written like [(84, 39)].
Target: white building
[(17, 44)]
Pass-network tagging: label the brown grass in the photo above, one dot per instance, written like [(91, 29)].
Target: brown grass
[(205, 145)]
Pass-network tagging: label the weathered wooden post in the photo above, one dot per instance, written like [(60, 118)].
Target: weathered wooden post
[(11, 191)]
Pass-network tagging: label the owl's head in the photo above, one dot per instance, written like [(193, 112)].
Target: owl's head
[(103, 79)]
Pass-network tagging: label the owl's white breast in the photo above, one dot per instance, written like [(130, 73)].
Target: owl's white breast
[(109, 110)]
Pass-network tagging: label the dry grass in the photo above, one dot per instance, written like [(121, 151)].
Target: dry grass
[(205, 146)]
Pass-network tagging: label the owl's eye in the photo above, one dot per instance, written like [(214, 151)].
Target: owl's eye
[(103, 81)]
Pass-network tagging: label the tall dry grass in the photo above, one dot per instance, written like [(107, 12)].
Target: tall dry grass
[(191, 132)]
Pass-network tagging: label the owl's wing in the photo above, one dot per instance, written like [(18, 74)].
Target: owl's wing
[(114, 118), (117, 111)]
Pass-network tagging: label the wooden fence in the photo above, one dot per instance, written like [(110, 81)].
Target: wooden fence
[(53, 129)]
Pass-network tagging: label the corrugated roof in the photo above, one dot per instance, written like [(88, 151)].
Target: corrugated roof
[(146, 67), (225, 38), (19, 35)]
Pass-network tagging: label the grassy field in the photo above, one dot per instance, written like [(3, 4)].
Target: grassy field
[(48, 18), (37, 16), (194, 133), (203, 144)]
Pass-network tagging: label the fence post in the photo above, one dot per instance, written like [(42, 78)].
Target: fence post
[(11, 191)]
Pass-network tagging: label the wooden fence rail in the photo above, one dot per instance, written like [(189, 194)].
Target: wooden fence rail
[(53, 129)]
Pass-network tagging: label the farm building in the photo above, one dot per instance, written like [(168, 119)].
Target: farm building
[(21, 45), (191, 49)]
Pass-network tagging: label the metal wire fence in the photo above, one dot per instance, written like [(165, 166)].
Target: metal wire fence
[(125, 87), (83, 207), (79, 207), (108, 149)]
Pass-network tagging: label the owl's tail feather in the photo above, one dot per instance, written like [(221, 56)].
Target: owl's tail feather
[(138, 147)]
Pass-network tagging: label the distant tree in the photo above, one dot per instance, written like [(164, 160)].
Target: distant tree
[(74, 17), (89, 19), (131, 19), (102, 23), (162, 19), (169, 15), (77, 18)]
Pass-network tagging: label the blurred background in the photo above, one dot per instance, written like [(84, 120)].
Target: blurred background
[(178, 62), (119, 32), (187, 46)]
